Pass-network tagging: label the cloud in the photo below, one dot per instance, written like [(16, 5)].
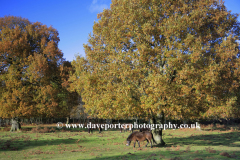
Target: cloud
[(98, 6), (94, 1)]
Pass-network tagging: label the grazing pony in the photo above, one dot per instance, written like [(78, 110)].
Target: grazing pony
[(139, 137)]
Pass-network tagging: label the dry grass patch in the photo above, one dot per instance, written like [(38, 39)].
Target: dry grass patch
[(196, 152), (210, 150), (188, 149), (176, 158), (225, 154), (39, 129)]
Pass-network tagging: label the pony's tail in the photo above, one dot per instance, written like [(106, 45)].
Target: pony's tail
[(153, 139)]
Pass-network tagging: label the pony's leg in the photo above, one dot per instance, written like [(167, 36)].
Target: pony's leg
[(147, 143), (139, 144), (151, 143), (134, 144)]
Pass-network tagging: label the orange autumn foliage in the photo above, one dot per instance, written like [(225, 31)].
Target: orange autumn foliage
[(31, 70)]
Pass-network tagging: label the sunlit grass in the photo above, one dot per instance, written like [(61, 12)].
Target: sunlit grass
[(50, 143)]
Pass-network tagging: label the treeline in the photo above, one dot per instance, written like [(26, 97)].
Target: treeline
[(40, 121)]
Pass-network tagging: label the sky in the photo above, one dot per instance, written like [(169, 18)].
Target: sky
[(73, 19)]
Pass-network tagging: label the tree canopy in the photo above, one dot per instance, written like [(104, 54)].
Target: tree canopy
[(148, 56), (32, 70)]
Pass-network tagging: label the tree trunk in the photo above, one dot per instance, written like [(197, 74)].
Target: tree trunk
[(185, 121), (157, 132), (67, 120), (198, 126), (15, 125)]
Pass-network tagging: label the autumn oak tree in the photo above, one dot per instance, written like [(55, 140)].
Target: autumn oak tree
[(32, 70), (147, 58)]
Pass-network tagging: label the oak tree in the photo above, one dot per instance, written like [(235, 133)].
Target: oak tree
[(32, 70), (150, 58)]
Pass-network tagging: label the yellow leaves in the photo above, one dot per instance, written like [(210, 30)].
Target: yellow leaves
[(99, 15), (184, 47)]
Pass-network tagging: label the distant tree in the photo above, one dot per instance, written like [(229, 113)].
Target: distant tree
[(68, 100), (30, 70), (148, 58)]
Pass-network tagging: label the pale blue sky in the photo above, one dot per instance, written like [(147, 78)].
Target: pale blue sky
[(73, 18)]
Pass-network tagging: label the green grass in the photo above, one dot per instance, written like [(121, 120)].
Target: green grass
[(78, 144)]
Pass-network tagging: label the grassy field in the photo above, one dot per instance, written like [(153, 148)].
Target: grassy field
[(182, 144)]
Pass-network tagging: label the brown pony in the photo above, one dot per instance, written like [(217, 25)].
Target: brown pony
[(139, 137)]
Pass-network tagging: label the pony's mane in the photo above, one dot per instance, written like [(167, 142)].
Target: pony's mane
[(131, 135)]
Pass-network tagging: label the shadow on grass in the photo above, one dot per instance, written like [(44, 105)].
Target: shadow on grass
[(170, 155), (27, 142), (224, 139)]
